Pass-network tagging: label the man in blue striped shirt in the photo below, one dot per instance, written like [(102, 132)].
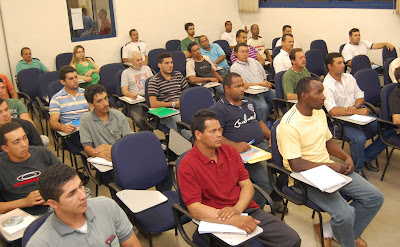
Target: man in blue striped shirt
[(69, 103)]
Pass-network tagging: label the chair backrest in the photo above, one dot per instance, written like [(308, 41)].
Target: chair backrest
[(388, 54), (179, 59), (225, 46), (33, 227), (139, 161), (63, 59), (384, 107), (341, 48), (278, 85), (177, 143), (107, 76), (153, 58), (320, 45), (146, 92), (360, 62), (368, 81), (44, 81), (386, 77), (194, 99), (276, 155), (274, 42), (276, 51), (173, 45), (118, 82), (315, 62), (53, 88), (28, 81), (176, 176)]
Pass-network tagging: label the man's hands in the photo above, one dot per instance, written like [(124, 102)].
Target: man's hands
[(34, 198), (266, 83), (227, 213), (353, 110), (343, 167), (246, 223), (389, 46), (133, 95), (213, 79), (103, 151), (241, 146), (68, 128)]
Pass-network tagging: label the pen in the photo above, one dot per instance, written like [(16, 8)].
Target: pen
[(252, 141)]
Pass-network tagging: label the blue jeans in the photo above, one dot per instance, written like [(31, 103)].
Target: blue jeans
[(349, 220), (355, 133), (223, 72), (263, 103), (170, 122)]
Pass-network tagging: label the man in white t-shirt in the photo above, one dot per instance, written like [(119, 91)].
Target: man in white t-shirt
[(259, 43), (282, 61), (135, 45), (133, 81), (230, 35), (394, 65), (287, 29), (356, 46)]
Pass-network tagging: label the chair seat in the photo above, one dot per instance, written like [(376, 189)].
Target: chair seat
[(309, 203), (395, 140), (72, 147), (160, 218)]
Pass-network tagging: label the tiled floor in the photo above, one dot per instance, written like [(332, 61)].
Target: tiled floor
[(382, 232)]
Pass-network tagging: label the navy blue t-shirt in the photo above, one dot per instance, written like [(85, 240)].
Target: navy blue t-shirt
[(240, 123)]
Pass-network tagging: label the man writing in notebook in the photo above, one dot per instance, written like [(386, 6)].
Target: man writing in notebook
[(305, 141), (216, 187)]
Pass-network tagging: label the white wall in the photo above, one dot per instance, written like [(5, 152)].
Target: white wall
[(331, 25), (46, 29), (4, 66)]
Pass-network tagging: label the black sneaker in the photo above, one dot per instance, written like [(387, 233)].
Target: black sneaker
[(371, 168)]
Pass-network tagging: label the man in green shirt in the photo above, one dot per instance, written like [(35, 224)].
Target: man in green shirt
[(294, 74), (189, 27), (27, 62)]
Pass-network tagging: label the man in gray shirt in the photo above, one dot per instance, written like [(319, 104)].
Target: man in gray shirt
[(133, 81), (78, 221)]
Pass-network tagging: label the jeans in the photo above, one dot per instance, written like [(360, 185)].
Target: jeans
[(138, 117), (170, 122), (357, 138), (263, 103), (223, 72), (349, 220)]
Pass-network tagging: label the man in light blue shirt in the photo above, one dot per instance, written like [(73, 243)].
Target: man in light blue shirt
[(27, 62), (216, 54)]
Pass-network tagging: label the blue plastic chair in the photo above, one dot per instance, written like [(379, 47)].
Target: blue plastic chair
[(279, 102), (274, 42), (360, 62), (63, 59), (320, 45), (225, 46), (386, 77), (276, 51), (53, 88), (388, 54), (315, 62), (173, 45), (153, 59), (44, 81), (179, 60), (341, 48), (139, 164), (368, 81), (107, 79), (33, 227)]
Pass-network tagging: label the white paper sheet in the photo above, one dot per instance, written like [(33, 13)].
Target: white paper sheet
[(361, 118)]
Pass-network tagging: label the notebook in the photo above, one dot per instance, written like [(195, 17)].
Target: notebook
[(257, 87), (99, 161), (132, 101), (208, 227), (324, 178), (163, 112), (255, 155), (361, 118), (76, 122)]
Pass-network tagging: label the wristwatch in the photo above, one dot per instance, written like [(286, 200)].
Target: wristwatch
[(173, 104)]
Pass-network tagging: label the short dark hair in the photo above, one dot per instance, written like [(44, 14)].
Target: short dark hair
[(187, 25), (162, 56), (227, 81), (1, 80), (292, 54), (198, 119), (103, 11), (52, 179), (285, 35), (330, 57), (132, 30), (286, 26), (236, 49), (5, 129), (303, 85), (2, 100), (189, 47), (396, 75), (65, 70), (353, 30), (227, 22), (24, 48), (92, 90), (239, 32), (201, 36)]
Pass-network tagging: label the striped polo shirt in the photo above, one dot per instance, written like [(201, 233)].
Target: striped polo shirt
[(70, 108), (252, 53), (167, 90)]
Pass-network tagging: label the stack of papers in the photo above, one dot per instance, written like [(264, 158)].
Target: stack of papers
[(361, 118), (208, 227), (15, 222), (323, 177), (258, 87), (163, 112), (255, 155), (210, 84), (99, 161), (132, 101)]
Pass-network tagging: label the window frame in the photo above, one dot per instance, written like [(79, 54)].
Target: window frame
[(373, 4)]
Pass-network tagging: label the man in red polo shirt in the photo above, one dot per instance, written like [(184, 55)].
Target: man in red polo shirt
[(216, 187)]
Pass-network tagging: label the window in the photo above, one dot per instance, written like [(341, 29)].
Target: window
[(91, 19), (354, 4)]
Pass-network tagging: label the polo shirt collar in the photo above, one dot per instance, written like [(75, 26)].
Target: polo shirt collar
[(203, 159), (96, 118), (243, 63), (284, 52), (64, 92), (227, 102), (62, 228)]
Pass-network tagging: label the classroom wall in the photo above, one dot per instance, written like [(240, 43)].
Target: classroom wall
[(4, 68), (43, 26)]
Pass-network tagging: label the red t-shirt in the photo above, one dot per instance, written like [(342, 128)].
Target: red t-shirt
[(213, 184), (8, 83)]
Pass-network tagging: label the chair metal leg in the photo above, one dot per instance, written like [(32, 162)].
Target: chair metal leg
[(313, 214), (176, 231), (387, 164), (322, 229), (97, 190), (150, 240), (285, 202)]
